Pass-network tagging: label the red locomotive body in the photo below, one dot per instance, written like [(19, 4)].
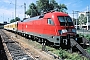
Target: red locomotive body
[(51, 27)]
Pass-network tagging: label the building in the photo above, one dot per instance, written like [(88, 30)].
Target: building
[(82, 23)]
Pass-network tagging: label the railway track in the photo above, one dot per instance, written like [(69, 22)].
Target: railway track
[(13, 50), (73, 42), (35, 54)]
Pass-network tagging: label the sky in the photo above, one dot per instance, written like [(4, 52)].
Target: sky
[(7, 7)]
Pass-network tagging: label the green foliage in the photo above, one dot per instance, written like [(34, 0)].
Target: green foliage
[(32, 11), (65, 54), (14, 20), (54, 4), (70, 56), (88, 50), (82, 19), (17, 19), (87, 36), (44, 5), (62, 8)]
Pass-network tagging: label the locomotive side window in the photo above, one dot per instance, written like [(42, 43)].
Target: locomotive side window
[(50, 21)]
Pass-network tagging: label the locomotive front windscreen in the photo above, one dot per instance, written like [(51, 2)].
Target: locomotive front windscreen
[(65, 21)]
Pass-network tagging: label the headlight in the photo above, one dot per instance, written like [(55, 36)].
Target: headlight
[(62, 31), (74, 30)]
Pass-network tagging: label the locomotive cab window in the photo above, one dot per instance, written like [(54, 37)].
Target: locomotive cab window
[(50, 21), (65, 21)]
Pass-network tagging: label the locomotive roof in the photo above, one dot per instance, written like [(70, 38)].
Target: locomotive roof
[(45, 16), (33, 18), (57, 14)]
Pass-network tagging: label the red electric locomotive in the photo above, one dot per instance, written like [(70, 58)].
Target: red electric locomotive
[(54, 27)]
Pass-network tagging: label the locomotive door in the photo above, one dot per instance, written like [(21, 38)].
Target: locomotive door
[(50, 27)]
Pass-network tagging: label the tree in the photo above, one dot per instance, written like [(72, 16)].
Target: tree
[(17, 19), (32, 11), (42, 5), (45, 6), (54, 4), (82, 19), (14, 20), (62, 8)]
